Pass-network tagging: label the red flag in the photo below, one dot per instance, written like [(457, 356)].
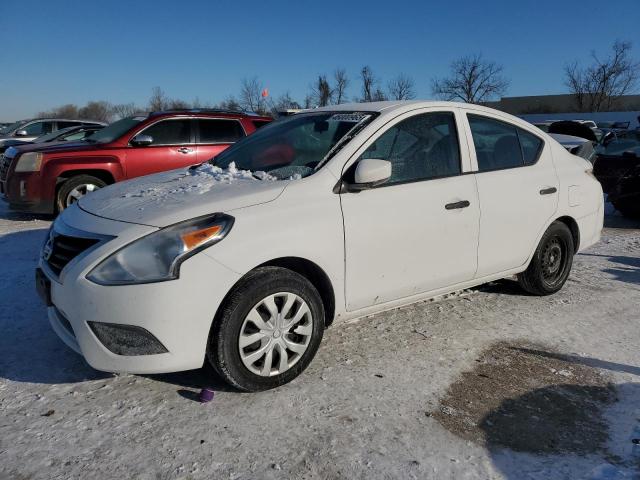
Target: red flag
[(265, 93)]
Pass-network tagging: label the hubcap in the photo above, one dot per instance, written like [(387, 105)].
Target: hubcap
[(552, 260), (79, 192), (275, 334)]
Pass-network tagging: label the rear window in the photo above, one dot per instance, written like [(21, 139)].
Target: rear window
[(220, 131), (500, 145)]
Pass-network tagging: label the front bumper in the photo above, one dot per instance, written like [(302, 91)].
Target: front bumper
[(23, 192), (178, 313)]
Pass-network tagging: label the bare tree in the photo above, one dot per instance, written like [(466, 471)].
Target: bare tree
[(369, 84), (322, 92), (342, 82), (64, 111), (101, 110), (308, 102), (401, 88), (230, 103), (598, 86), (378, 95), (284, 102), (125, 110), (177, 104), (158, 100), (251, 98), (472, 79)]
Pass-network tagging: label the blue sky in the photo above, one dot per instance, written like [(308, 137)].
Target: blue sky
[(54, 53)]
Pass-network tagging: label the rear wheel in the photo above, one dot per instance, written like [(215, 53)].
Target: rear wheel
[(268, 331), (75, 188), (551, 262)]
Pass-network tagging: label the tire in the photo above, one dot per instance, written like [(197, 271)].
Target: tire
[(628, 209), (551, 262), (80, 184), (247, 304)]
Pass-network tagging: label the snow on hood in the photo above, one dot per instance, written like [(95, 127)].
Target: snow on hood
[(169, 197)]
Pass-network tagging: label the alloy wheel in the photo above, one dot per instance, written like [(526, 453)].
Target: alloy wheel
[(78, 192)]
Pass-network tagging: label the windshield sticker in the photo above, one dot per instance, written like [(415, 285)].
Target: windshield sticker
[(348, 117)]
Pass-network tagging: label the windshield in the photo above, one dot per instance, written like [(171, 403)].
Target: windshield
[(115, 130), (294, 146)]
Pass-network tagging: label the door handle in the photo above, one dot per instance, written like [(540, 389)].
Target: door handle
[(185, 150), (548, 191), (461, 204)]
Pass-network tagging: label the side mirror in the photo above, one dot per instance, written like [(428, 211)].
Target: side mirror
[(370, 173), (142, 140), (21, 133)]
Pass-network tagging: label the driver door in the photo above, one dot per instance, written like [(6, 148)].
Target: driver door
[(418, 231)]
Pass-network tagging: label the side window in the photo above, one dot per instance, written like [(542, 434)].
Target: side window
[(496, 143), (38, 128), (62, 125), (419, 148), (76, 135), (531, 146), (170, 132), (220, 131)]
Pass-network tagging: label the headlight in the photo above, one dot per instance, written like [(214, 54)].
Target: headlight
[(29, 162), (157, 257)]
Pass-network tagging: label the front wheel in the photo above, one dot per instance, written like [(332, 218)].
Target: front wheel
[(268, 330), (75, 188), (629, 208), (551, 262)]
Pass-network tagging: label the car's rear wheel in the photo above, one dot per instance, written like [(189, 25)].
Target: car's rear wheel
[(268, 330), (75, 188), (551, 262)]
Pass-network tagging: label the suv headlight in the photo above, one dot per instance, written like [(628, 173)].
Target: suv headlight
[(29, 162), (157, 257)]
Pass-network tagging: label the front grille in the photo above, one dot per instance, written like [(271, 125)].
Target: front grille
[(5, 163), (61, 249)]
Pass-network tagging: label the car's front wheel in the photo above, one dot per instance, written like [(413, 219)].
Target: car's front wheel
[(75, 188), (268, 330), (551, 262)]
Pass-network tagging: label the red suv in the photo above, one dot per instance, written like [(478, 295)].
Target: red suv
[(45, 178)]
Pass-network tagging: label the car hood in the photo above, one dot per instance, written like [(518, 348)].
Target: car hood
[(170, 197), (55, 147)]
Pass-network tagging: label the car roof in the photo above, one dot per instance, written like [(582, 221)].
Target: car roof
[(207, 111), (393, 105)]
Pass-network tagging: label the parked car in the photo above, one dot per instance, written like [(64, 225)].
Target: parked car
[(577, 137), (31, 129), (617, 167), (336, 213), (68, 134), (48, 178)]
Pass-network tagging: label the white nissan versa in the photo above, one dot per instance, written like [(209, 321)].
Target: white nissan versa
[(333, 213)]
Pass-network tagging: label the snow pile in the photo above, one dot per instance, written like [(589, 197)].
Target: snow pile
[(199, 180)]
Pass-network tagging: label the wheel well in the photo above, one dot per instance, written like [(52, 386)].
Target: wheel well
[(573, 227), (315, 275), (103, 175)]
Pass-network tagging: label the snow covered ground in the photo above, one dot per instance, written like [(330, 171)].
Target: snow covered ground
[(364, 408)]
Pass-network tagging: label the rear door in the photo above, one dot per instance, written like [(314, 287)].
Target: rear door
[(213, 135), (518, 189), (172, 147), (417, 232)]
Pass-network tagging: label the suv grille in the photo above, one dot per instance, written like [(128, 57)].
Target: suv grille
[(61, 249), (5, 163)]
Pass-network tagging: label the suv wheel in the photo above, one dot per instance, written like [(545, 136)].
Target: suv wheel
[(551, 262), (75, 188), (268, 330)]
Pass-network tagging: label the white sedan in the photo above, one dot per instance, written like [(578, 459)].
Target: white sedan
[(329, 214)]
